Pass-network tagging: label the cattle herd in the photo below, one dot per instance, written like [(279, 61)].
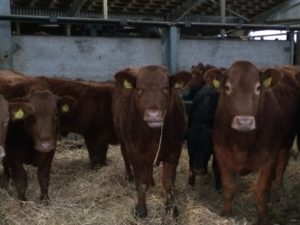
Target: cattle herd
[(245, 118)]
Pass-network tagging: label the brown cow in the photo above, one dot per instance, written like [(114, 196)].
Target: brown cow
[(32, 140), (149, 118), (91, 117), (9, 111), (247, 130)]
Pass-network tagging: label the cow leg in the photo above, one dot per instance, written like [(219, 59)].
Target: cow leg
[(7, 175), (126, 163), (192, 175), (168, 180), (217, 174), (44, 175), (19, 176), (97, 149), (262, 187), (143, 176), (228, 178), (282, 162)]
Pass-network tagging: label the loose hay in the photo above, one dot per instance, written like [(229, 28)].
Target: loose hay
[(80, 196)]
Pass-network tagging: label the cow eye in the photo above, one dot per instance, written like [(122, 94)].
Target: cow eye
[(227, 89), (166, 90), (257, 89), (139, 91)]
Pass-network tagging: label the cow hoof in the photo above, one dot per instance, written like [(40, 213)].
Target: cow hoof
[(225, 213), (96, 166), (191, 181), (140, 211), (172, 209), (263, 221), (129, 178)]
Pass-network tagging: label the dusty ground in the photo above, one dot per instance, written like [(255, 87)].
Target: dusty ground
[(103, 197)]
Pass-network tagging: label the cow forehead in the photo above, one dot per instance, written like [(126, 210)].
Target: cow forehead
[(3, 108), (43, 101), (152, 79), (243, 75)]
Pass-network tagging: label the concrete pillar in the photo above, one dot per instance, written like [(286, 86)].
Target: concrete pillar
[(297, 49), (170, 48), (223, 15), (290, 37), (5, 37), (105, 9)]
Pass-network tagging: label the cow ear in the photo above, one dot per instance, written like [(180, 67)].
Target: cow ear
[(270, 77), (20, 110), (66, 104), (180, 79), (214, 77), (126, 78)]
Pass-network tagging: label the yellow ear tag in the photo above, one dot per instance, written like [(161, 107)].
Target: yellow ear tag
[(216, 83), (178, 85), (267, 82), (19, 114), (127, 84), (66, 108)]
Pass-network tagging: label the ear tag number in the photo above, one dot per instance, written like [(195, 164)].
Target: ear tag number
[(19, 114), (267, 82), (216, 83), (127, 84), (178, 85), (66, 108)]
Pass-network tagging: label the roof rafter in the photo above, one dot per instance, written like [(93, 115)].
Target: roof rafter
[(260, 18), (178, 14), (75, 7)]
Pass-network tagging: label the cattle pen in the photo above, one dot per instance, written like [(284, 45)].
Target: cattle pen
[(89, 41)]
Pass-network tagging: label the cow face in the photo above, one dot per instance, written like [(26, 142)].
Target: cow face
[(10, 111), (152, 88), (43, 123), (241, 88)]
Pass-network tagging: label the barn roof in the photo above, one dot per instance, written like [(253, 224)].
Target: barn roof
[(165, 10)]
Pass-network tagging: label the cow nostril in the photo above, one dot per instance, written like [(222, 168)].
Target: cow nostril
[(243, 123), (153, 114)]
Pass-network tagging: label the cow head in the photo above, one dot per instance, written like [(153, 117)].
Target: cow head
[(152, 88), (10, 111), (241, 89), (43, 123)]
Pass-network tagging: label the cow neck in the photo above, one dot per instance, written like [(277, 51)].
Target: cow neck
[(155, 162)]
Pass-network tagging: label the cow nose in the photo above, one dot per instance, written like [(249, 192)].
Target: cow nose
[(153, 115), (243, 123), (2, 152), (45, 146)]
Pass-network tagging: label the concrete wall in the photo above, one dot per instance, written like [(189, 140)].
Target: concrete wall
[(100, 58), (5, 37), (87, 58), (224, 53)]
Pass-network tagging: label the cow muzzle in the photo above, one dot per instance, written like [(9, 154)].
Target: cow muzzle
[(243, 123), (154, 118), (45, 146), (2, 152)]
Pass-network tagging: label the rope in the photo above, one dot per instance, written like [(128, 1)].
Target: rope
[(160, 140)]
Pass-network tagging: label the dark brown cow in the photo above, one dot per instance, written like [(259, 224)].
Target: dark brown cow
[(9, 111), (247, 130), (91, 117), (32, 140), (149, 118)]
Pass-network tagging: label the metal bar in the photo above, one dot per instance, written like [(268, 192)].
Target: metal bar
[(275, 10), (77, 20), (180, 13), (75, 7), (105, 9), (232, 12), (223, 15)]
